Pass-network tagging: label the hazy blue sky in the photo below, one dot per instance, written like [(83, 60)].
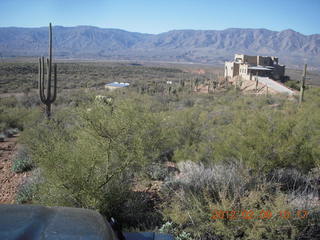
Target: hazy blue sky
[(155, 16)]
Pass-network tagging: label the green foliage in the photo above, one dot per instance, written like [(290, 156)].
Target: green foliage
[(20, 76), (264, 133), (14, 115), (170, 228), (89, 156), (25, 194), (293, 84), (22, 161), (184, 236), (271, 138), (28, 188)]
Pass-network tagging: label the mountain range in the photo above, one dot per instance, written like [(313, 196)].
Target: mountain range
[(197, 46)]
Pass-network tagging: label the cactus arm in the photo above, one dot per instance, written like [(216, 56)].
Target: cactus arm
[(43, 72), (41, 78), (48, 80), (54, 83)]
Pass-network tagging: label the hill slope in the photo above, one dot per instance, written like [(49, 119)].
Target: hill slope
[(205, 46)]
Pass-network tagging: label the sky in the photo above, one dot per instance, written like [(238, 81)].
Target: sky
[(157, 16)]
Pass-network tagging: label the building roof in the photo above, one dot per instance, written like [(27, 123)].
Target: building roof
[(259, 68), (117, 84), (275, 85)]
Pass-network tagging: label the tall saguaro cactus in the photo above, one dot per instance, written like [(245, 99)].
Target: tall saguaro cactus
[(50, 96)]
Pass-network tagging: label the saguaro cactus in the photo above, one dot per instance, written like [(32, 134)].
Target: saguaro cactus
[(49, 97), (302, 84)]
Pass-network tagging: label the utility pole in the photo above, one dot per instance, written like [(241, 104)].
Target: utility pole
[(302, 85)]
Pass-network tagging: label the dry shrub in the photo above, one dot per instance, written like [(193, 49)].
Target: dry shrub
[(193, 196)]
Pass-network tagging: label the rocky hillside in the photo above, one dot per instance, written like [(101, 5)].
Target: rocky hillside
[(204, 46)]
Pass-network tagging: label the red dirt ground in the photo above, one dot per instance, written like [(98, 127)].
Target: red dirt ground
[(9, 180)]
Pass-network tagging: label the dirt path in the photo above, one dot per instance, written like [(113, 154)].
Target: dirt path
[(9, 180)]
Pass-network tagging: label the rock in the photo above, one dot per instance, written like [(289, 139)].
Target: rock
[(2, 137), (8, 133)]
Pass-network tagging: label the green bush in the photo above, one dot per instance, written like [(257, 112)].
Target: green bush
[(25, 194), (14, 115), (270, 138), (170, 228), (28, 189), (89, 155), (22, 161), (293, 84)]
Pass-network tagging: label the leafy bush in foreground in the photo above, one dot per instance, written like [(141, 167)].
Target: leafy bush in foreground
[(22, 161), (88, 157), (28, 189)]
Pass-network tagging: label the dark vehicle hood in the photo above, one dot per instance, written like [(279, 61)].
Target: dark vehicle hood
[(38, 222), (30, 222)]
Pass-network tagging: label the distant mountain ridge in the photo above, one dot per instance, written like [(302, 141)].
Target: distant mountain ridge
[(201, 46)]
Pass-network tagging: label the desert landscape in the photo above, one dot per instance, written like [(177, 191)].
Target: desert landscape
[(182, 134)]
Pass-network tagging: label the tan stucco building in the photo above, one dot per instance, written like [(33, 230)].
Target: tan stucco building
[(248, 66)]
